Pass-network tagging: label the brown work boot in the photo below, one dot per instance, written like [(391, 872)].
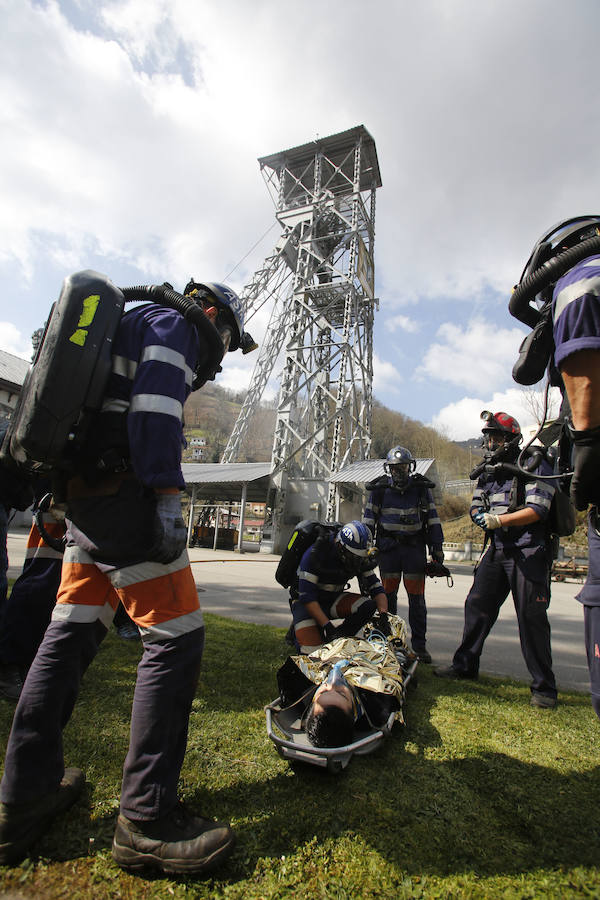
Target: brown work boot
[(21, 824), (542, 701), (179, 843)]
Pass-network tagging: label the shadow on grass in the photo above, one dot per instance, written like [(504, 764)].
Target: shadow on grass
[(434, 798)]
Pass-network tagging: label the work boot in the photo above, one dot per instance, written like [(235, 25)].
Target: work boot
[(423, 654), (543, 701), (11, 681), (451, 672), (178, 843), (21, 824)]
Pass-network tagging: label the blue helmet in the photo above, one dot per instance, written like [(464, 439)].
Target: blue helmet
[(356, 538), (227, 301)]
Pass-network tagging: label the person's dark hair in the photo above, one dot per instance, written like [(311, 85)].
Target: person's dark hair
[(330, 728)]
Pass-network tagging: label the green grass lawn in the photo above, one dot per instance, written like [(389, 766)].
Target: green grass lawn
[(478, 795)]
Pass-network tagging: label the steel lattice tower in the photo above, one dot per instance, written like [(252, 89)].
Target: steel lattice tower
[(320, 279)]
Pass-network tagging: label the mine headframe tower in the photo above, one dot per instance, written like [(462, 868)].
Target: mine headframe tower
[(320, 278)]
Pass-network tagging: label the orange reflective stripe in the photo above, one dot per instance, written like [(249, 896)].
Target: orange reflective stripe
[(82, 584), (156, 600), (414, 584)]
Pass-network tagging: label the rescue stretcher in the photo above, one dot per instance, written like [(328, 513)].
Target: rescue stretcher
[(285, 727)]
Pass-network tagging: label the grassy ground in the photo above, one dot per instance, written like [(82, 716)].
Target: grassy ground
[(479, 795)]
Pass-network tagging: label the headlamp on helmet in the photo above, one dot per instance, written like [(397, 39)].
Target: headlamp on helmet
[(399, 463)]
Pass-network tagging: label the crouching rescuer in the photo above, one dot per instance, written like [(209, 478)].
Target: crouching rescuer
[(323, 575), (127, 541)]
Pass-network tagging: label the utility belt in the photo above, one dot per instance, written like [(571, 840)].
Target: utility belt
[(405, 540)]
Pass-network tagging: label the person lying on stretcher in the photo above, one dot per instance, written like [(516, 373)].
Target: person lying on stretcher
[(360, 682)]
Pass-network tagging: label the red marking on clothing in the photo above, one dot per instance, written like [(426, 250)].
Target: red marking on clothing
[(596, 651)]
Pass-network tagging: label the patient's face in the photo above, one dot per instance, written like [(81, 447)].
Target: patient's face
[(336, 694)]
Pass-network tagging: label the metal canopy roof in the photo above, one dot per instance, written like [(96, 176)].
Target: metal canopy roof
[(367, 469), (13, 369), (336, 147), (224, 481)]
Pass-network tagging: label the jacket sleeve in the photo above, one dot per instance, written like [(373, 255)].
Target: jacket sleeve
[(538, 496), (433, 526), (477, 502), (162, 382), (371, 513), (308, 577)]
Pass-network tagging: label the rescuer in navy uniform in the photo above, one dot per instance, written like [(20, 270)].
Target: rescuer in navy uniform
[(516, 559), (559, 297), (401, 512), (127, 542)]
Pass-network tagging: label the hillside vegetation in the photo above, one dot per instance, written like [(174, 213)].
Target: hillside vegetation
[(212, 413)]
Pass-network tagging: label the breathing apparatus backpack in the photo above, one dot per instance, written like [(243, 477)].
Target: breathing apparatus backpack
[(305, 534), (64, 389)]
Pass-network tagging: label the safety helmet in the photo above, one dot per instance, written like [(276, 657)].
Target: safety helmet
[(355, 545), (227, 302), (561, 236), (399, 463), (501, 423), (553, 254)]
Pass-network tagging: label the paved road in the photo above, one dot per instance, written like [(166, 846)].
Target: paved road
[(243, 587)]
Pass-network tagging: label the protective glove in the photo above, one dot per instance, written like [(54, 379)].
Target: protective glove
[(381, 622), (330, 632), (170, 533), (585, 484), (487, 521), (437, 554)]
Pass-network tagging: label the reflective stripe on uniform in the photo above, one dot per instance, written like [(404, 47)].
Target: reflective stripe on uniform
[(37, 548), (574, 292), (173, 628), (161, 599), (124, 367), (75, 612), (157, 353), (156, 403)]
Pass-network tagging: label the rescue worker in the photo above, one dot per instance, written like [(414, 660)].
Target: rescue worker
[(360, 682), (515, 559), (562, 278), (15, 493), (323, 575), (127, 541), (401, 512), (32, 599)]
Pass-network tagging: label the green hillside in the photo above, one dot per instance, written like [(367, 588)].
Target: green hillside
[(212, 412)]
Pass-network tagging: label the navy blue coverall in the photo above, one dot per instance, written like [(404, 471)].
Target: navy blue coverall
[(517, 561)]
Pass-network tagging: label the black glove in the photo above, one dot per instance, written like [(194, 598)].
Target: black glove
[(330, 632), (381, 622), (585, 484), (170, 533)]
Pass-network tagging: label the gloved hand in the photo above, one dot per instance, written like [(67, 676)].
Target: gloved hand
[(585, 484), (487, 521), (170, 533), (437, 554), (381, 622), (330, 632)]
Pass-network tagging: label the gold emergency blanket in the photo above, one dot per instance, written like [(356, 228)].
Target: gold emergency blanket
[(373, 664)]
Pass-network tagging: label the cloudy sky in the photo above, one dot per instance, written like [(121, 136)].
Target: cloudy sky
[(131, 131)]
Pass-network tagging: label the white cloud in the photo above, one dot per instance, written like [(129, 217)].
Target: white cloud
[(402, 323), (478, 354), (12, 341), (460, 421), (133, 129), (386, 377)]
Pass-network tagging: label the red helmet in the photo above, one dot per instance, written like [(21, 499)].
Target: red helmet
[(502, 422)]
